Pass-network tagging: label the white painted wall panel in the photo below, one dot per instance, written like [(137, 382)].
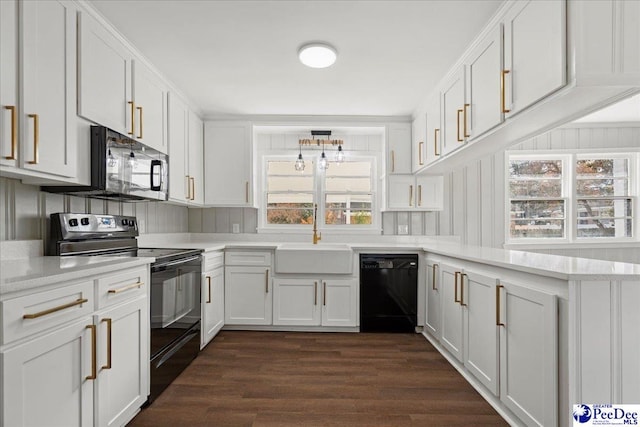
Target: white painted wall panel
[(630, 342)]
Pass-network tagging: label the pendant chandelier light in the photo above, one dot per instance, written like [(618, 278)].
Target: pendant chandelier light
[(323, 163)]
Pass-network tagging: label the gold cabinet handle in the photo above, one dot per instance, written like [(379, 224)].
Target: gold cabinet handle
[(324, 293), (435, 142), (393, 161), (419, 195), (246, 191), (462, 276), (411, 195), (36, 138), (93, 375), (503, 73), (133, 117), (79, 301), (266, 280), (458, 126), (209, 286), (498, 322), (433, 277), (192, 182), (315, 293), (14, 133), (464, 123), (455, 287), (420, 159), (188, 187), (140, 125), (125, 288), (108, 365)]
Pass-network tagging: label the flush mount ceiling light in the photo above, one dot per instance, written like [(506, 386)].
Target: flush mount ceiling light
[(317, 55)]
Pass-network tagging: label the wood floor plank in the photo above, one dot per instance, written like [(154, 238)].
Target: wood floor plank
[(264, 379)]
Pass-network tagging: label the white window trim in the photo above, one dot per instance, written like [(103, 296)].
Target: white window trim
[(569, 158), (374, 228)]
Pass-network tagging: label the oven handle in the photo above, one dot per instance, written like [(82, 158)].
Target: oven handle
[(176, 347), (177, 262), (156, 164)]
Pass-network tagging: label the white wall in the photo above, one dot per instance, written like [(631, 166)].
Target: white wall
[(25, 210)]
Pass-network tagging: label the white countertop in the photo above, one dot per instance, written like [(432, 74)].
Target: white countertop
[(29, 273)]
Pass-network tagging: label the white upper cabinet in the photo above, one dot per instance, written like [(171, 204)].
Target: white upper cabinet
[(196, 160), (454, 112), (433, 138), (104, 77), (150, 100), (229, 164), (179, 182), (410, 192), (534, 51), (418, 139), (485, 90), (399, 148), (9, 82)]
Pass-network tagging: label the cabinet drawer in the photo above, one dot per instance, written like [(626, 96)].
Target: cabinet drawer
[(35, 313), (255, 258), (212, 260), (123, 286)]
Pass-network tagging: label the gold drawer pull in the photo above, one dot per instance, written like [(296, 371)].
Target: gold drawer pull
[(419, 195), (464, 116), (125, 288), (93, 375), (315, 293), (433, 277), (133, 117), (411, 195), (503, 90), (36, 138), (420, 144), (462, 276), (266, 281), (498, 322), (455, 287), (209, 286), (108, 365), (435, 142), (140, 125), (192, 181), (393, 161), (14, 135), (79, 301), (458, 127), (246, 191), (324, 293)]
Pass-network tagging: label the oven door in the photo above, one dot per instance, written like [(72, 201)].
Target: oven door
[(175, 301)]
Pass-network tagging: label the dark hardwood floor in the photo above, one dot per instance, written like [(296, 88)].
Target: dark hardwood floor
[(319, 379)]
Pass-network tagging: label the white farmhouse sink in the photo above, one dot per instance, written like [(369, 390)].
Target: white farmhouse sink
[(307, 258)]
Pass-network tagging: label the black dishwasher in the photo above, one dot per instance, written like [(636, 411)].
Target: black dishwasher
[(388, 293)]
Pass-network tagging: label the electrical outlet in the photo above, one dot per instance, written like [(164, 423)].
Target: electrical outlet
[(236, 228), (403, 229)]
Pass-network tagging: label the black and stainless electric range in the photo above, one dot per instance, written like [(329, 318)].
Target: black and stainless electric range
[(174, 293)]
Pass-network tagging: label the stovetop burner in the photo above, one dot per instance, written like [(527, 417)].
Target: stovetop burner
[(167, 255)]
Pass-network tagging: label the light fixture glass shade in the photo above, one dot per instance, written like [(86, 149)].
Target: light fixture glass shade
[(339, 155), (323, 163), (299, 163), (133, 162), (317, 55)]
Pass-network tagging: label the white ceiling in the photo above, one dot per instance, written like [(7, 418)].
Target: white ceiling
[(240, 57)]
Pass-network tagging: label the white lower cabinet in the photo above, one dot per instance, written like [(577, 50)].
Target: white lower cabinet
[(212, 304), (451, 319), (315, 302), (432, 315), (247, 296)]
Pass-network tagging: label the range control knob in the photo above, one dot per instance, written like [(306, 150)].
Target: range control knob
[(73, 222), (125, 222), (84, 221), (132, 222)]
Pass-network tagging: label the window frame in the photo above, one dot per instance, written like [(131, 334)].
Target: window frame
[(319, 197), (570, 180)]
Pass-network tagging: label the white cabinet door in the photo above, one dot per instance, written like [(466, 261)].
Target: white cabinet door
[(48, 84), (178, 124), (48, 378), (296, 302), (339, 302), (419, 140), (430, 192), (484, 91), (123, 362), (433, 137), (399, 148), (104, 76), (534, 51), (9, 83), (453, 109), (529, 354), (150, 99), (228, 161), (432, 318), (212, 304), (401, 192), (451, 323), (196, 160), (478, 297), (247, 296)]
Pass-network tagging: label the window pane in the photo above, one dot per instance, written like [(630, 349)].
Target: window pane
[(290, 183), (535, 168), (536, 188), (589, 228), (296, 198), (604, 208), (602, 168), (286, 167), (547, 228), (290, 209), (537, 209), (349, 169), (602, 187), (348, 184), (353, 209)]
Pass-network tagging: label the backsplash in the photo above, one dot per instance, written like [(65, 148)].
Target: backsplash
[(25, 210)]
